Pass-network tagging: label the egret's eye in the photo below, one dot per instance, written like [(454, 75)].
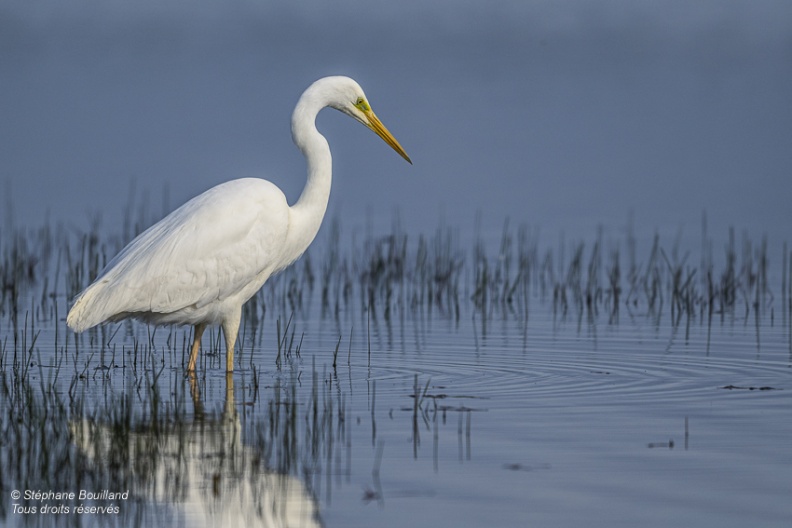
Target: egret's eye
[(362, 105)]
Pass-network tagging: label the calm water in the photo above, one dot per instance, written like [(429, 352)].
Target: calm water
[(436, 413)]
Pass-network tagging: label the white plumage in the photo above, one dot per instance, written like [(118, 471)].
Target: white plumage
[(202, 262)]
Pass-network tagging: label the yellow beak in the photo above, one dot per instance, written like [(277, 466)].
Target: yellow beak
[(376, 125)]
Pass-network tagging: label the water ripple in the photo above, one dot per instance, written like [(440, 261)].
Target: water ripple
[(618, 367)]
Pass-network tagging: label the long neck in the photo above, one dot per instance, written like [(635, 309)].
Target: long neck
[(307, 213)]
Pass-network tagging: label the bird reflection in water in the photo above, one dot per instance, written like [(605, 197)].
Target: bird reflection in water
[(196, 471)]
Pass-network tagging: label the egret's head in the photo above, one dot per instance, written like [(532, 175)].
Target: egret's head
[(352, 101)]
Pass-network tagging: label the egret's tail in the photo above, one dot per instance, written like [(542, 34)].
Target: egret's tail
[(87, 310)]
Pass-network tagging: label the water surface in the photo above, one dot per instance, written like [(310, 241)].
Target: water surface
[(502, 394)]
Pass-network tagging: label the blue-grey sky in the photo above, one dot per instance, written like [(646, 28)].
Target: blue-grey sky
[(557, 114)]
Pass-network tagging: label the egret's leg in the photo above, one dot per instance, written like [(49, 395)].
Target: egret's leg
[(196, 346), (230, 331)]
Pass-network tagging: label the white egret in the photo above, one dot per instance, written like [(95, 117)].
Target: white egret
[(201, 263)]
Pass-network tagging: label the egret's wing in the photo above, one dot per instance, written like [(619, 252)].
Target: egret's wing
[(207, 250)]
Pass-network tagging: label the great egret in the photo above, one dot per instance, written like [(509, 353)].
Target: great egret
[(201, 263)]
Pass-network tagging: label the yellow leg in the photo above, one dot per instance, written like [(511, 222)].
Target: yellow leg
[(196, 346)]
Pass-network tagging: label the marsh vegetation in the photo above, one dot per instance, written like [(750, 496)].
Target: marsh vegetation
[(454, 353)]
